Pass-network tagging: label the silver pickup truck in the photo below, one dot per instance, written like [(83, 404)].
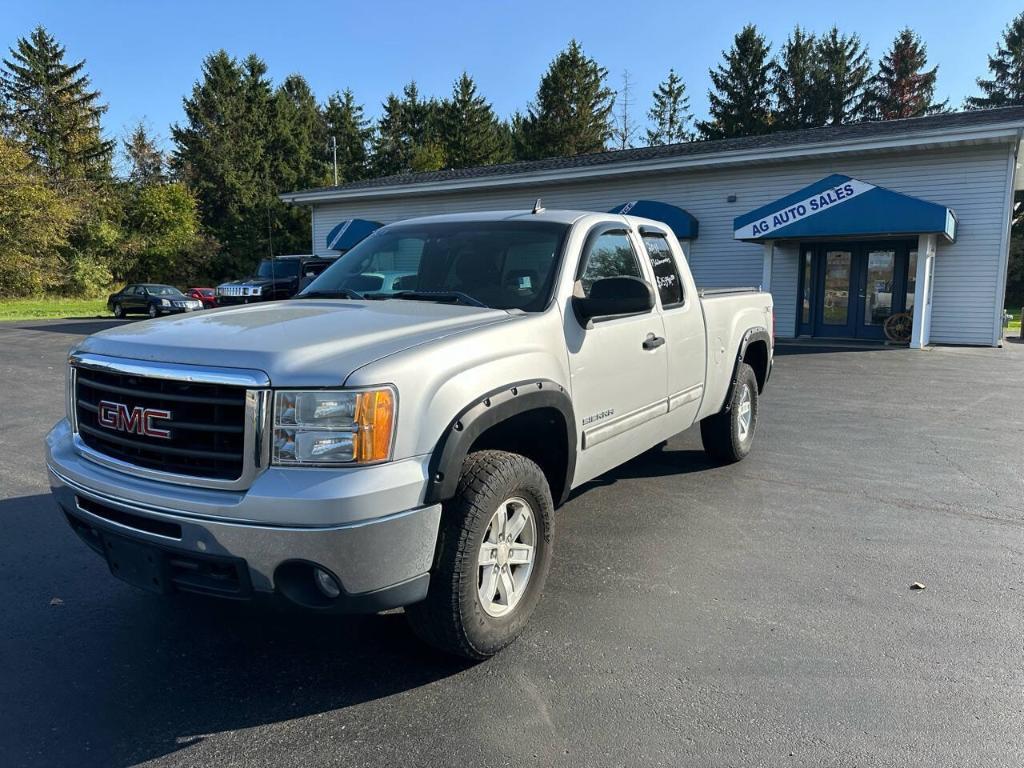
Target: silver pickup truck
[(354, 451)]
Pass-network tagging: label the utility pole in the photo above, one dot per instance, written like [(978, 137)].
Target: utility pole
[(334, 145)]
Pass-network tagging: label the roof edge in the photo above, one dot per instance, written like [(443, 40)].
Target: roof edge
[(922, 138)]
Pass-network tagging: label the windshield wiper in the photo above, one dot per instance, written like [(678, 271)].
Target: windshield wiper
[(332, 293), (455, 296)]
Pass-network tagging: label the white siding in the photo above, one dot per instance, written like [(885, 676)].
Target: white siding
[(785, 276), (970, 180)]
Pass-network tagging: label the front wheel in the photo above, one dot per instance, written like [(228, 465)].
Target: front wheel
[(153, 311), (729, 435), (493, 554)]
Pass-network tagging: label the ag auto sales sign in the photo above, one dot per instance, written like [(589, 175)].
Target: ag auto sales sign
[(802, 209)]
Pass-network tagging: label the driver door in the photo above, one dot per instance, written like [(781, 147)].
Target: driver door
[(618, 366)]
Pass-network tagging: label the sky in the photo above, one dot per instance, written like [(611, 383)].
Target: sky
[(145, 56)]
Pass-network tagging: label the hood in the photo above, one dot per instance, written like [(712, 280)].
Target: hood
[(312, 342)]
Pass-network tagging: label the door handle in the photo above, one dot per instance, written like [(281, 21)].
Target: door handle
[(653, 342)]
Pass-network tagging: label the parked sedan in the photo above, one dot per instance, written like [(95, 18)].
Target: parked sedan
[(208, 296), (151, 299)]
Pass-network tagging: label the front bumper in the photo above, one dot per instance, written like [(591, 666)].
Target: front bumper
[(378, 545)]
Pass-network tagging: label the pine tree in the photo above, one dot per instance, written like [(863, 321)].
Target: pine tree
[(670, 113), (298, 159), (843, 72), (571, 113), (346, 124), (391, 153), (52, 110), (222, 153), (298, 137), (741, 100), (472, 135), (147, 164), (1006, 86), (797, 75), (902, 87)]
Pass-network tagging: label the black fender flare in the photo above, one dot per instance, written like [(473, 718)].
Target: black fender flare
[(757, 333), (482, 414)]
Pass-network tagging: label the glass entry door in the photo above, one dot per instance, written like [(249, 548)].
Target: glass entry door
[(849, 290)]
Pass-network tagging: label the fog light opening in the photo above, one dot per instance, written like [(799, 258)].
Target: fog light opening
[(326, 583)]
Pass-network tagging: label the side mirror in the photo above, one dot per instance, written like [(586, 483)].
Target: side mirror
[(613, 297)]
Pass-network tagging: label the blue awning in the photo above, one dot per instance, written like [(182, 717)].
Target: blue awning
[(350, 232), (841, 206), (679, 221)]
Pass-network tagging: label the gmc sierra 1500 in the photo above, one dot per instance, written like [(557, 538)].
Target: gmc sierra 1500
[(352, 451)]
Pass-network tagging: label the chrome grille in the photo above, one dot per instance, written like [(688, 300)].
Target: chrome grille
[(206, 425)]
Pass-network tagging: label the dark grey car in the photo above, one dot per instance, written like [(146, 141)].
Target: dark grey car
[(151, 299)]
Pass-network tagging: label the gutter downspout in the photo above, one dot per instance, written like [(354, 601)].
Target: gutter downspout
[(1004, 246)]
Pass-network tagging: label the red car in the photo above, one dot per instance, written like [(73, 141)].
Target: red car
[(206, 295)]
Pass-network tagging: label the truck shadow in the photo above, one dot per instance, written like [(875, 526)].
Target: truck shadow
[(109, 676), (660, 461)]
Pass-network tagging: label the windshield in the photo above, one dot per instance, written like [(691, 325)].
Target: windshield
[(278, 268), (163, 290), (501, 264)]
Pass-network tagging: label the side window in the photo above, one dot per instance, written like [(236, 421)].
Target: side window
[(610, 255), (670, 286)]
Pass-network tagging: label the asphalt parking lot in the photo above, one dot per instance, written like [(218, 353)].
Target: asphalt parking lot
[(758, 614)]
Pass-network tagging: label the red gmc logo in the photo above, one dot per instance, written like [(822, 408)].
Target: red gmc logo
[(138, 420)]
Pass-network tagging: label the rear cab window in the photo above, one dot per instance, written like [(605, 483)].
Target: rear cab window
[(666, 273)]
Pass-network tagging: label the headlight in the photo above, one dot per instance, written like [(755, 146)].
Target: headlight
[(165, 302), (257, 290), (333, 427)]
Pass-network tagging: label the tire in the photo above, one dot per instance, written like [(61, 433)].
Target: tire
[(729, 435), (453, 617), (118, 311), (153, 311)]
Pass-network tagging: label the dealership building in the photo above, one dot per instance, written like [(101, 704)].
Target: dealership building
[(845, 225)]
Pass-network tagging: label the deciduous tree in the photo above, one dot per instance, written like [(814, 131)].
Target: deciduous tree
[(34, 224)]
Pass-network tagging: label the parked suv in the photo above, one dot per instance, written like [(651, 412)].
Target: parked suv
[(151, 299), (351, 451), (278, 278)]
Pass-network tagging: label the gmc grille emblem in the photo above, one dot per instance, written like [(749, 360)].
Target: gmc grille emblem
[(137, 420)]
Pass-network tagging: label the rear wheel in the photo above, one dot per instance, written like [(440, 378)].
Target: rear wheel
[(493, 554), (729, 435), (118, 310)]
